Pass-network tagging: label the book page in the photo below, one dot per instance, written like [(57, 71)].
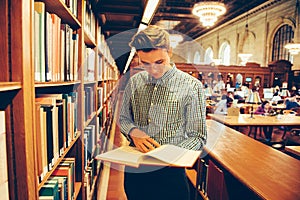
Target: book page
[(174, 155), (124, 155), (162, 156)]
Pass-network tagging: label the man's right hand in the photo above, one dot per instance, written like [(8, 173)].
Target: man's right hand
[(142, 141)]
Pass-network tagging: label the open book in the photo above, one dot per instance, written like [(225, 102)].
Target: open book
[(165, 155)]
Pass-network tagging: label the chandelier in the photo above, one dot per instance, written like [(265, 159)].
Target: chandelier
[(209, 11), (175, 39), (244, 58), (294, 47)]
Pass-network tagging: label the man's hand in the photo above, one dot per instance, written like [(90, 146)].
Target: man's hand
[(142, 141)]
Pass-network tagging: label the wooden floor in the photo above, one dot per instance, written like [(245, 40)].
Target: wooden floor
[(111, 184)]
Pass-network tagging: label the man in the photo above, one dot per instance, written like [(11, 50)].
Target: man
[(161, 105)]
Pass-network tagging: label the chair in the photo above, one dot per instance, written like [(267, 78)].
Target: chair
[(256, 128), (286, 112), (233, 111)]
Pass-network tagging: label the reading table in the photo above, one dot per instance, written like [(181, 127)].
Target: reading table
[(251, 170), (257, 120)]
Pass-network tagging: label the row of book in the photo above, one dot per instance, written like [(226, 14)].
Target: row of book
[(56, 127), (61, 184), (89, 64), (4, 191), (104, 49), (95, 134), (91, 172), (89, 102), (55, 47), (89, 19), (105, 70), (90, 142), (104, 91), (72, 5)]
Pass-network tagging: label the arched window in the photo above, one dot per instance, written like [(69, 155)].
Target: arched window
[(284, 35), (197, 57), (224, 54), (188, 60), (209, 55)]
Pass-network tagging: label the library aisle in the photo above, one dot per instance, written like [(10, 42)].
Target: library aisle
[(111, 184)]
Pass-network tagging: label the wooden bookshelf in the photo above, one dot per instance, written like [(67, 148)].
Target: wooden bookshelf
[(59, 8), (8, 86), (18, 91), (59, 160), (89, 40), (56, 84)]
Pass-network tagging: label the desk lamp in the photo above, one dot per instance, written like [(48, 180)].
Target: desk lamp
[(253, 98)]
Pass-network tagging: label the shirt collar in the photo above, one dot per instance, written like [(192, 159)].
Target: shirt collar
[(166, 75)]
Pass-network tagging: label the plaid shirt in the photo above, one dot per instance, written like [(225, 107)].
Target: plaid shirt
[(171, 110)]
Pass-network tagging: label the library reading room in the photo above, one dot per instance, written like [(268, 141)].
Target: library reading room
[(97, 94)]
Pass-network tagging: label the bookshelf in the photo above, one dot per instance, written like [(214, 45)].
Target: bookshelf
[(73, 83)]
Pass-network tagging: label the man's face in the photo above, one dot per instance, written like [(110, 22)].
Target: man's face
[(155, 62)]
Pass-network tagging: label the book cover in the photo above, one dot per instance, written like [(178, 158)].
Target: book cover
[(3, 157), (39, 7), (62, 186), (39, 141), (50, 188), (165, 155), (65, 172)]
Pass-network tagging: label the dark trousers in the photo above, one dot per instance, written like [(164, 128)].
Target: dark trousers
[(268, 132), (155, 183)]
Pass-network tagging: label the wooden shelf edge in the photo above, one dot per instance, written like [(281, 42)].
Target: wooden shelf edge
[(77, 188), (58, 161), (61, 10), (90, 82), (8, 86), (90, 119), (55, 84), (89, 40), (93, 188)]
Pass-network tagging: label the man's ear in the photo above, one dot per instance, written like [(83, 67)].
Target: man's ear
[(170, 52)]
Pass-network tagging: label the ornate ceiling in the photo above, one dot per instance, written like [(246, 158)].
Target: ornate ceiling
[(121, 18)]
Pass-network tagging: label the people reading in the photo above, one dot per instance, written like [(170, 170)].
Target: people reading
[(264, 109), (161, 105), (223, 105), (291, 103)]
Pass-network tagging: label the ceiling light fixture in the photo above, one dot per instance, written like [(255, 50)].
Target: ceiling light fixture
[(294, 47), (146, 20), (245, 56), (175, 39), (149, 11), (209, 11)]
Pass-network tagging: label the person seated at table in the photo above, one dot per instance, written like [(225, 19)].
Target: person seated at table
[(291, 103), (264, 109), (223, 105), (275, 98)]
